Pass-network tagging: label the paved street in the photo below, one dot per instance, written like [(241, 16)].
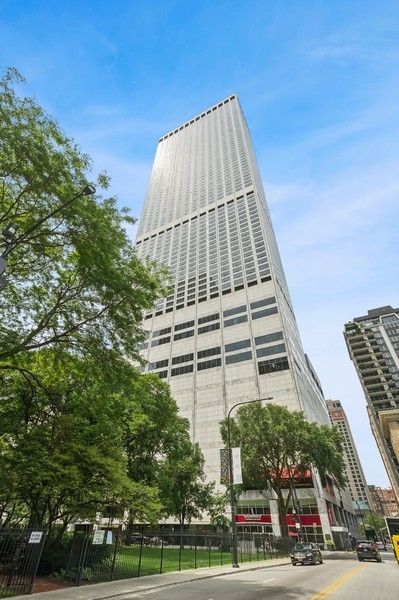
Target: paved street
[(340, 577)]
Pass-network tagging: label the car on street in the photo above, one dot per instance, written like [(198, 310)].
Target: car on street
[(306, 552), (367, 550), (381, 546)]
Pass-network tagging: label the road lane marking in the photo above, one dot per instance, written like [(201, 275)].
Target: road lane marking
[(267, 580), (336, 584)]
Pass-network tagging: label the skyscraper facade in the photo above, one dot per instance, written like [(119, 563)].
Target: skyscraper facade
[(357, 484), (373, 345), (384, 501), (227, 333)]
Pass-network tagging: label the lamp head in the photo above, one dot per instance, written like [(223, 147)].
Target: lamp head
[(88, 190), (9, 232)]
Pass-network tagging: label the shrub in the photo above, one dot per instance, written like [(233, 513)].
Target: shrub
[(55, 555)]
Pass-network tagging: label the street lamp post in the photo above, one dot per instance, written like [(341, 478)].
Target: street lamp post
[(361, 517), (297, 509), (231, 482), (9, 233)]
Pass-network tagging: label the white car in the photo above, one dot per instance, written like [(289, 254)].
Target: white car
[(380, 546)]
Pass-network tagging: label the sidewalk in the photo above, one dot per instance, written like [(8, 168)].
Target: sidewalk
[(121, 590)]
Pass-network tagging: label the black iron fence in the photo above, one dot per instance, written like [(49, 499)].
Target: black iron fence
[(20, 551), (109, 554)]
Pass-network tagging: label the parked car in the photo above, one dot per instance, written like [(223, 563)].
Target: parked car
[(381, 546), (157, 541), (367, 550), (306, 552), (139, 539)]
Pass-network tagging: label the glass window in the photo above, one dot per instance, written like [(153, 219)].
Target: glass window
[(209, 352), (265, 313), (237, 345), (161, 341), (182, 370), (235, 321), (184, 334), (234, 311), (276, 349), (161, 332), (273, 365), (183, 358), (271, 337), (158, 365), (207, 328), (184, 325), (208, 318), (263, 302), (209, 364), (233, 358)]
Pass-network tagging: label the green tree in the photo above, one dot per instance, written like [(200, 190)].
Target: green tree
[(182, 481), (62, 453), (278, 444), (75, 282), (373, 521), (80, 428), (217, 511), (153, 427)]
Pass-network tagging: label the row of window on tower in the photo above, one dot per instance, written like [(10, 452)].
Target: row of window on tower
[(211, 322)]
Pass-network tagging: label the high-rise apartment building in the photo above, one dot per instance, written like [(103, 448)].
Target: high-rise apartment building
[(354, 471), (227, 332), (384, 501), (373, 345)]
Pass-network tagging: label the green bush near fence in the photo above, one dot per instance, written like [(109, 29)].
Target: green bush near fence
[(55, 554)]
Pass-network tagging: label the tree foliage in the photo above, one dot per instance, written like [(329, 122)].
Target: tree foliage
[(76, 280), (217, 511), (182, 482), (277, 444), (374, 521), (80, 428), (62, 444), (153, 428)]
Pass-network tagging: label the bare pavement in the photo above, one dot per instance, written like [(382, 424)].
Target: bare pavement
[(121, 590)]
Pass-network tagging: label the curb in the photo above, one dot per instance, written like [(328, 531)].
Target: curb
[(202, 577), (126, 588)]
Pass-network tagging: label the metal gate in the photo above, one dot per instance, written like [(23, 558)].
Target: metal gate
[(20, 551), (93, 555)]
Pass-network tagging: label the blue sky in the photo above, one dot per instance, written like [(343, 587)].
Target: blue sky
[(318, 82)]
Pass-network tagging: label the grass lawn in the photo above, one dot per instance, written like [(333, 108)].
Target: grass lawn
[(158, 560)]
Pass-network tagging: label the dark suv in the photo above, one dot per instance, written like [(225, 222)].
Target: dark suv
[(306, 552), (367, 549)]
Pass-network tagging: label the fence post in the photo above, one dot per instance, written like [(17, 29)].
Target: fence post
[(162, 544), (82, 557), (111, 575), (180, 547), (141, 553)]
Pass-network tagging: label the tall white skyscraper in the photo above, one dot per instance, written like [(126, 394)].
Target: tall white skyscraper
[(227, 332)]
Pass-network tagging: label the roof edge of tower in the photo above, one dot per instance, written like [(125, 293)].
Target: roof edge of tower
[(200, 115), (377, 312)]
